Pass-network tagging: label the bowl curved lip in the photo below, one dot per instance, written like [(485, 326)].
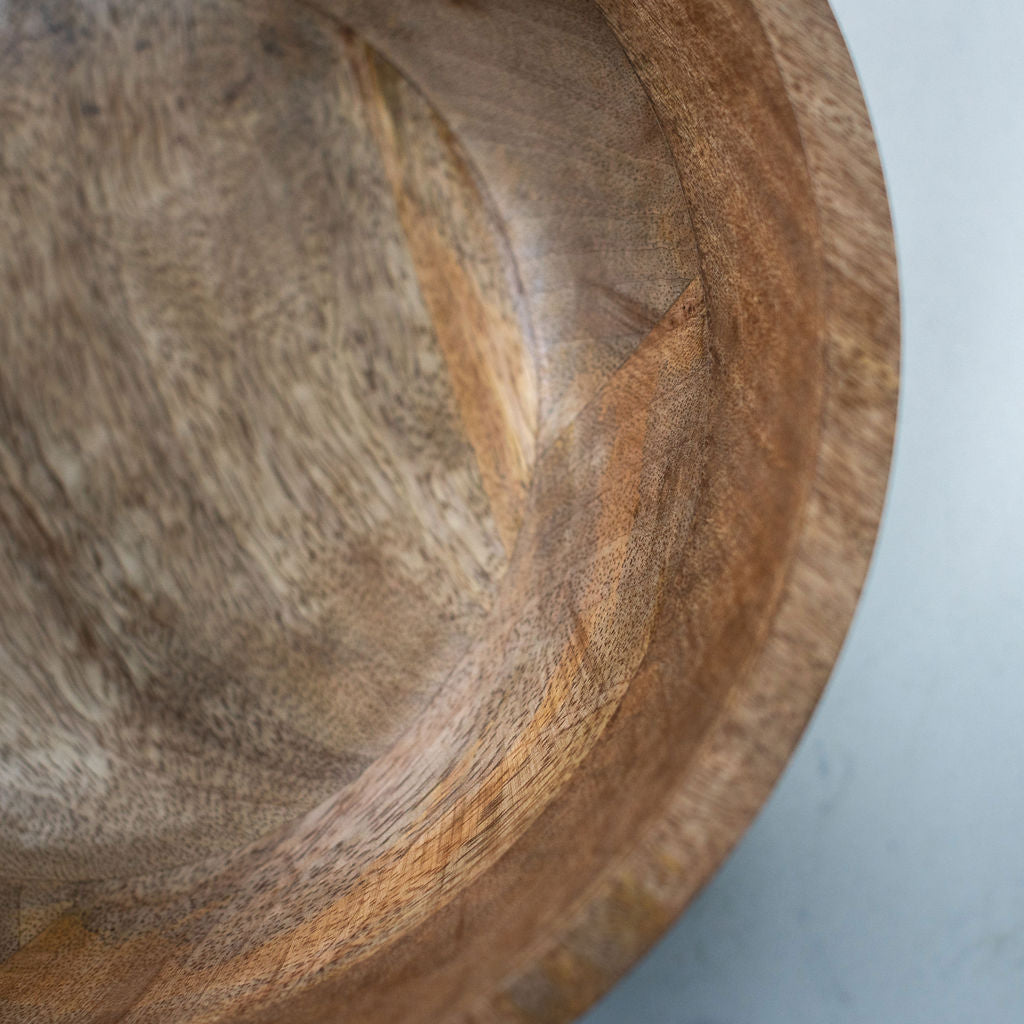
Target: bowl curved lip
[(552, 973), (766, 713), (555, 972)]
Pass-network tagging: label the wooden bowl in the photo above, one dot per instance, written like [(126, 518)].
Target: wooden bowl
[(441, 445)]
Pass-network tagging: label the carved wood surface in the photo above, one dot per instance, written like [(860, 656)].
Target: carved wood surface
[(441, 444)]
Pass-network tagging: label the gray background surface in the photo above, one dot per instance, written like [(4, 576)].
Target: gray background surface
[(884, 881)]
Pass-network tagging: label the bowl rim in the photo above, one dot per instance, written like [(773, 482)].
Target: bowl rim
[(766, 713)]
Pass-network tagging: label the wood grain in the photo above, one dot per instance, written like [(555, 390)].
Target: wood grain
[(440, 448)]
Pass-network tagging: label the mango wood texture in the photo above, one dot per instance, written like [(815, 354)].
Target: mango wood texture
[(441, 444)]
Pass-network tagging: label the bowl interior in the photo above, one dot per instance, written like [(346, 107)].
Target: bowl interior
[(296, 305)]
